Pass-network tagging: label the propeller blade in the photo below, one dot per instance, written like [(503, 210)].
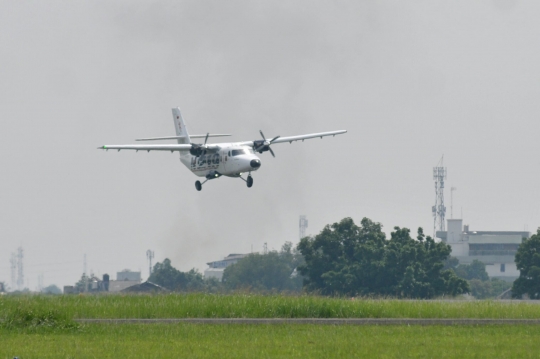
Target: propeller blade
[(275, 138), (262, 134), (272, 152), (206, 138)]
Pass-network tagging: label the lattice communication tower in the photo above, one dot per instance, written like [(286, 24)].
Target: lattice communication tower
[(303, 225), (439, 209)]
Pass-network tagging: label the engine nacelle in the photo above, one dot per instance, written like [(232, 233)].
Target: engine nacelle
[(196, 150), (260, 146)]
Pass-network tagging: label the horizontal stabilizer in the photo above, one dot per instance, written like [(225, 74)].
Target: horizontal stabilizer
[(179, 137), (172, 148), (210, 135)]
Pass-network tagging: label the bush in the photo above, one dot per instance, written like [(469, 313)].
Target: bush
[(26, 317)]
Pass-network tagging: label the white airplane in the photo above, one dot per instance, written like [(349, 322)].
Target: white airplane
[(215, 160)]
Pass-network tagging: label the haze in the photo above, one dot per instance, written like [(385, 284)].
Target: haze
[(410, 81)]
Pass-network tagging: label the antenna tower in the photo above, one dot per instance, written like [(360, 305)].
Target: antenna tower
[(20, 269), (303, 226), (84, 265), (149, 256), (13, 263), (265, 248), (439, 210)]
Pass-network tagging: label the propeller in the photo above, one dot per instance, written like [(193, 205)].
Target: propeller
[(264, 145), (206, 138)]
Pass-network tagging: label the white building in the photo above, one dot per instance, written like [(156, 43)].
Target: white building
[(124, 279), (496, 249), (216, 269)]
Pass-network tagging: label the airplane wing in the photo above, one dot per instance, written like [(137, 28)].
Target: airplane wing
[(290, 139), (264, 144), (179, 137), (148, 148)]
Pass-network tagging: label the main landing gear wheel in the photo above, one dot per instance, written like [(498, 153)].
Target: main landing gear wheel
[(249, 181), (198, 185)]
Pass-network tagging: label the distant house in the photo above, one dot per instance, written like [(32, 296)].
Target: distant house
[(215, 269), (146, 287), (124, 279), (496, 249), (69, 289)]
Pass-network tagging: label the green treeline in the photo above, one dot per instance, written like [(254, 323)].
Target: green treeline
[(346, 259), (274, 271), (482, 287), (528, 263)]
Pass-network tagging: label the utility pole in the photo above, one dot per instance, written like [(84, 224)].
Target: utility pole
[(40, 282), (13, 265), (20, 269), (303, 225), (85, 277), (84, 265), (149, 256)]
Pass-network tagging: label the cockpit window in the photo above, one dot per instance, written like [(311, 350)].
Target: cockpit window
[(239, 152)]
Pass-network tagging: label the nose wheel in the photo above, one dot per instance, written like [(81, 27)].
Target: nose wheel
[(249, 181), (198, 185)]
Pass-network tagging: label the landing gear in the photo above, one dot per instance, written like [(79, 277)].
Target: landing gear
[(249, 180), (198, 185)]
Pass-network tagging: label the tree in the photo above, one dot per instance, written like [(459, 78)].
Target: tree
[(51, 289), (349, 260), (488, 288), (272, 271), (165, 275), (528, 262), (475, 270), (82, 284)]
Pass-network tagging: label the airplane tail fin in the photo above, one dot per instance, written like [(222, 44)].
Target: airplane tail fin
[(180, 127)]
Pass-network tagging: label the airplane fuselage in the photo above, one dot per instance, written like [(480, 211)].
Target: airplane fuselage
[(229, 160)]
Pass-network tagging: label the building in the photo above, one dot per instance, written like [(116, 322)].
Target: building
[(496, 249), (215, 269), (124, 279), (126, 274), (146, 287)]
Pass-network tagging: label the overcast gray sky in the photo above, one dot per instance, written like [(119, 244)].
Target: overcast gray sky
[(409, 80)]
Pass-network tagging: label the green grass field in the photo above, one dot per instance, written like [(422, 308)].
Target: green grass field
[(259, 306), (43, 327), (272, 341)]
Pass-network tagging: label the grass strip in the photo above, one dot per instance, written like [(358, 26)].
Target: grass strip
[(274, 341), (198, 305)]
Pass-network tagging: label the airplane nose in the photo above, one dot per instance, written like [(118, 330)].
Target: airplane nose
[(255, 163)]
